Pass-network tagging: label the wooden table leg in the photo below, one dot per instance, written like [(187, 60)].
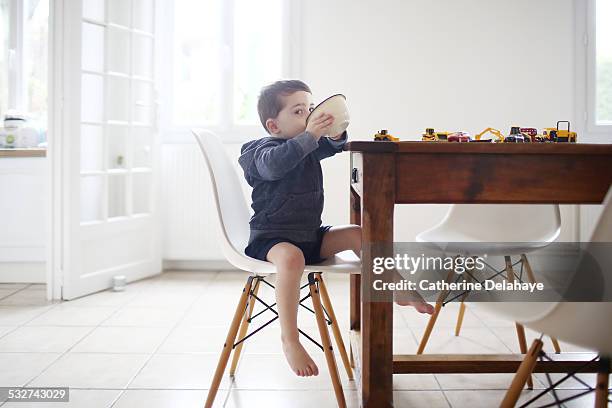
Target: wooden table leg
[(601, 387), (355, 280), (377, 199)]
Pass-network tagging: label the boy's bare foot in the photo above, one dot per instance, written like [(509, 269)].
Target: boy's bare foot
[(420, 305), (298, 359), (414, 299)]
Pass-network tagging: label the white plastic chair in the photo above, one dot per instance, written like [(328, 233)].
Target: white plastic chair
[(500, 229), (496, 229), (233, 215), (586, 324)]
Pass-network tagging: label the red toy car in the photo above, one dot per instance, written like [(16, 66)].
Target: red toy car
[(529, 134), (460, 137)]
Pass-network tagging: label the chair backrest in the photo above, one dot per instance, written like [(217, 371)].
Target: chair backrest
[(603, 229), (582, 323), (231, 206), (506, 222)]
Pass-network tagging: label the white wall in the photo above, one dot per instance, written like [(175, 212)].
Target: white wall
[(408, 65)]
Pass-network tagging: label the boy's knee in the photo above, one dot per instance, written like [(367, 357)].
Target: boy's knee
[(292, 259)]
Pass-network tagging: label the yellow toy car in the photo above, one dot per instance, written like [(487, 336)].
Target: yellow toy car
[(560, 135), (383, 135), (432, 136)]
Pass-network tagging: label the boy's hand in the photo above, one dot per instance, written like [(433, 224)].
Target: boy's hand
[(338, 136), (320, 125)]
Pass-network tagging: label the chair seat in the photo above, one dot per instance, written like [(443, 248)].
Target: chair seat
[(452, 241), (342, 262)]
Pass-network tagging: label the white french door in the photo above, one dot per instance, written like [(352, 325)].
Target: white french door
[(103, 144)]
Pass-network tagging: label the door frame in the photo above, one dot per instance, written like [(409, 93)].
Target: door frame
[(54, 143), (58, 135)]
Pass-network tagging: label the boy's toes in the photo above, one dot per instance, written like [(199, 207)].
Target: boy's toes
[(419, 305), (423, 307), (299, 360)]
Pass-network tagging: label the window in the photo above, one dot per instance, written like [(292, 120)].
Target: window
[(222, 53), (257, 54), (603, 63), (4, 55), (593, 23), (23, 58), (36, 34)]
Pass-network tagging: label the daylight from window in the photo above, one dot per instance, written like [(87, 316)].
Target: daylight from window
[(35, 60), (222, 57), (603, 57), (257, 54), (4, 56)]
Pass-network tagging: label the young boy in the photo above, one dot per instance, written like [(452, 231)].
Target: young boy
[(287, 181)]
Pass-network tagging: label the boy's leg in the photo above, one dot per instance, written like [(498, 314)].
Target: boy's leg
[(289, 262), (341, 238)]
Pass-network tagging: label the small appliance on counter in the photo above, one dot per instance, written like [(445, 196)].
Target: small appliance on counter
[(17, 132)]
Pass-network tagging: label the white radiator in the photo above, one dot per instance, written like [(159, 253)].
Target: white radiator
[(189, 220)]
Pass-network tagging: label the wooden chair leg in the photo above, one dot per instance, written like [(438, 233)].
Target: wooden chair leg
[(243, 328), (462, 309), (335, 328), (520, 330), (520, 333), (532, 279), (556, 345), (522, 375), (229, 343), (601, 388), (327, 346), (528, 269), (460, 318), (432, 319)]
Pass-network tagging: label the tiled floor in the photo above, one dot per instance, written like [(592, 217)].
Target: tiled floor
[(157, 344)]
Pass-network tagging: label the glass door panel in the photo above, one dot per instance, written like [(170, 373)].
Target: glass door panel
[(92, 148)]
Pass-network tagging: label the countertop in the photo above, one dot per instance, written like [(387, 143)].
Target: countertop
[(23, 152)]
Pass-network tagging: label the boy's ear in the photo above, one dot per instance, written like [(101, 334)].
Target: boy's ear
[(272, 126)]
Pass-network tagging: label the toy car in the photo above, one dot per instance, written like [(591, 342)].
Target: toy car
[(432, 136), (429, 135), (493, 131), (529, 134), (460, 137), (515, 136), (383, 135), (560, 135)]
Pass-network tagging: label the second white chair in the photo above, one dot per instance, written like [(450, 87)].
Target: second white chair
[(495, 229)]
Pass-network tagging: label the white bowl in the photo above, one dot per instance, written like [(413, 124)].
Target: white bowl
[(335, 105)]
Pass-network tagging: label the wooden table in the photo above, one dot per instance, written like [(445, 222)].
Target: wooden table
[(386, 173)]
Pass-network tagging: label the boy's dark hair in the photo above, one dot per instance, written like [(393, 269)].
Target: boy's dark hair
[(270, 103)]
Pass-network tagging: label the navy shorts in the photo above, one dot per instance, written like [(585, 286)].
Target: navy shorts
[(260, 247)]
